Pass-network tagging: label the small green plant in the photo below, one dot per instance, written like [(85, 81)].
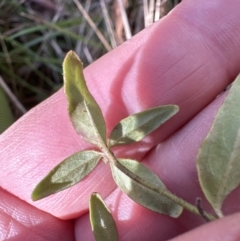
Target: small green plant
[(218, 175)]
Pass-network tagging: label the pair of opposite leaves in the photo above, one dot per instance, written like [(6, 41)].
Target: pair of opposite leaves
[(217, 161)]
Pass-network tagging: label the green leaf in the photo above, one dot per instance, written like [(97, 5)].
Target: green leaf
[(66, 174), (135, 127), (85, 113), (218, 161), (102, 222), (141, 194)]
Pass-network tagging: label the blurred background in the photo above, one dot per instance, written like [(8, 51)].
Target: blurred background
[(35, 35)]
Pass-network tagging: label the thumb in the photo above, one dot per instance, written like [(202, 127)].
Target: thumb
[(226, 229)]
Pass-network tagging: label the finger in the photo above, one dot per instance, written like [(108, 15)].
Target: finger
[(226, 229), (164, 64), (21, 221), (173, 161)]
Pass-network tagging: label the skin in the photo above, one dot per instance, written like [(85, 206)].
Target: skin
[(188, 58)]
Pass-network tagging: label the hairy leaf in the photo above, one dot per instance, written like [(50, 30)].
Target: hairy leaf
[(218, 161), (135, 127), (102, 222), (85, 114), (66, 174), (141, 194)]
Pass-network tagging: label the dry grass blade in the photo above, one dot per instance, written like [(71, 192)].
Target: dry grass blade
[(36, 34), (82, 27), (108, 23), (154, 10), (157, 14), (88, 54), (53, 43), (126, 26), (145, 11), (12, 97), (151, 11), (93, 25)]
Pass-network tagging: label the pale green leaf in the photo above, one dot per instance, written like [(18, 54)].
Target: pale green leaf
[(218, 161), (142, 195), (85, 113), (102, 222), (135, 127), (66, 174)]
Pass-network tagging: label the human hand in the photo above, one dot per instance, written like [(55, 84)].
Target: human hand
[(186, 59)]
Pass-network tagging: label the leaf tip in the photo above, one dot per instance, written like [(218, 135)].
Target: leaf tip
[(70, 61), (35, 196), (72, 55), (176, 108)]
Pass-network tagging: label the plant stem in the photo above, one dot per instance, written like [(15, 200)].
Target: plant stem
[(164, 192), (200, 209)]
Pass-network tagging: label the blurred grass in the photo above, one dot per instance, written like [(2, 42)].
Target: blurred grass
[(36, 34), (6, 117)]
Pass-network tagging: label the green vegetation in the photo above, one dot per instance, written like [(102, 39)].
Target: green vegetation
[(217, 161), (35, 36)]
